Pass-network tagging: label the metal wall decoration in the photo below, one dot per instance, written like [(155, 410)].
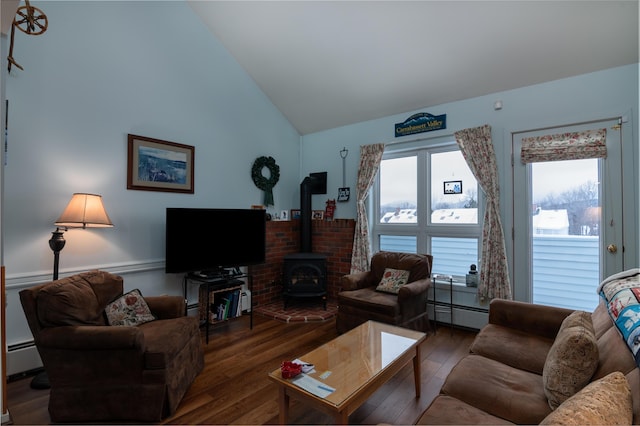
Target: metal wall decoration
[(30, 20), (344, 192)]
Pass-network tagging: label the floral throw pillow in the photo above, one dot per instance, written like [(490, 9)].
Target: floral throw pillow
[(129, 309), (571, 360), (392, 280), (606, 401)]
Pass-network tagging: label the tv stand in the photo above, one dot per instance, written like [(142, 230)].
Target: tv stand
[(213, 274), (213, 290)]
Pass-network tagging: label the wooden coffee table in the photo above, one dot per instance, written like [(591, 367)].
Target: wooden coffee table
[(355, 364)]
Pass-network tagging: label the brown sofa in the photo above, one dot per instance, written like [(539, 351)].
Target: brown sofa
[(501, 380), (103, 373), (358, 300)]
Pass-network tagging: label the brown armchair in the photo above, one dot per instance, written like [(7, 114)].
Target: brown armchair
[(358, 300), (99, 372)]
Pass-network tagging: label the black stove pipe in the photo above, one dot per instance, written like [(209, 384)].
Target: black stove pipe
[(315, 183)]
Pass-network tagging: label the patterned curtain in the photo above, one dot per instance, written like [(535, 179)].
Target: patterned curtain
[(477, 149), (370, 157), (565, 146)]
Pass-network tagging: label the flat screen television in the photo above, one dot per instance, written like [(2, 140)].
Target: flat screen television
[(207, 240)]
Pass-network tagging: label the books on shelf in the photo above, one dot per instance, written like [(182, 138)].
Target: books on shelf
[(222, 304)]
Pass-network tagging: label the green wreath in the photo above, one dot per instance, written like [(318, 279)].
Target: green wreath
[(263, 183)]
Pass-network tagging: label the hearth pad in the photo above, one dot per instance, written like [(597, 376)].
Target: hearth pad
[(298, 311)]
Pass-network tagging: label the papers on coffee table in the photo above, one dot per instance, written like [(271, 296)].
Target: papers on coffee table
[(306, 367), (312, 385)]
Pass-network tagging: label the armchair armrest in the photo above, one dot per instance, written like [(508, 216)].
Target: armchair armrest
[(413, 289), (91, 337), (356, 281), (79, 354), (166, 307), (531, 318)]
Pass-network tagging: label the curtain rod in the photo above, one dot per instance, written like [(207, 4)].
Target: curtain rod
[(580, 123)]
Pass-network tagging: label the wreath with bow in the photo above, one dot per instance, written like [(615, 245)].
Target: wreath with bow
[(264, 183)]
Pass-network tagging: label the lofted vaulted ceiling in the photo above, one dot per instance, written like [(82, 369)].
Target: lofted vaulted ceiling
[(325, 64)]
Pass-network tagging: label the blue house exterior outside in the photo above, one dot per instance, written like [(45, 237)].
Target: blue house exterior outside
[(566, 268)]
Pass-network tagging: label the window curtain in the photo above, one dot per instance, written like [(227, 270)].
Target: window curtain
[(565, 146), (370, 158), (477, 149)]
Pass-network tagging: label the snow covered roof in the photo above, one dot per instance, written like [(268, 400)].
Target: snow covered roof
[(551, 220), (438, 216)]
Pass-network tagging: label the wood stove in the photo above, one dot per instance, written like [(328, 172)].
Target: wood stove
[(305, 273)]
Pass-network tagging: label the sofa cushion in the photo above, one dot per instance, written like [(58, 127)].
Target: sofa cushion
[(68, 302), (527, 351), (417, 265), (368, 299), (130, 309), (447, 410), (601, 320), (606, 401), (572, 359), (614, 355), (78, 299), (392, 280), (482, 382), (633, 378)]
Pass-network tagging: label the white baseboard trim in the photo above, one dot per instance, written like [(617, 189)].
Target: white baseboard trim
[(6, 418)]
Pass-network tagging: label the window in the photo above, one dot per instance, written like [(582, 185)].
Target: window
[(427, 201), (565, 233)]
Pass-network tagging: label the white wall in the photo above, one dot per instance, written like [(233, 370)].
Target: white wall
[(103, 70)]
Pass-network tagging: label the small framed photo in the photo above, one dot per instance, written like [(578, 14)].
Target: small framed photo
[(343, 194), (156, 165), (317, 215), (284, 215), (295, 214), (453, 187)]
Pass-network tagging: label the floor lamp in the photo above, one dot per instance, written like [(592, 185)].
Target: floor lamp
[(83, 211)]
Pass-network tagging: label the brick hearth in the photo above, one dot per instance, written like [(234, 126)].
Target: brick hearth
[(301, 311), (333, 238)]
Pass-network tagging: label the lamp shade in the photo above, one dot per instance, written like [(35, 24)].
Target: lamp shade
[(84, 211)]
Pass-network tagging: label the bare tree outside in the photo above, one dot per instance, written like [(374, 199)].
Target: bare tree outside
[(581, 204)]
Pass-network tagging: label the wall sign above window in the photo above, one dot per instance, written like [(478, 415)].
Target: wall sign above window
[(421, 122)]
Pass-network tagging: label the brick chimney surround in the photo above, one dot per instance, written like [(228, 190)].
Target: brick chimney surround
[(333, 238)]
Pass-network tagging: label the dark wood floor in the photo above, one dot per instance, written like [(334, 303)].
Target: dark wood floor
[(234, 388)]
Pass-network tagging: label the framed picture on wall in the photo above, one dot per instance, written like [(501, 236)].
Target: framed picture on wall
[(156, 165)]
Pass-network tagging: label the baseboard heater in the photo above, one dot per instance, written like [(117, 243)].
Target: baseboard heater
[(22, 358), (470, 317)]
